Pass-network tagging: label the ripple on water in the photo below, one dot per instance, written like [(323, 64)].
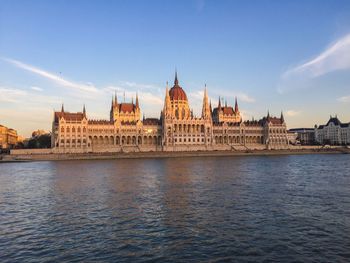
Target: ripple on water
[(287, 208)]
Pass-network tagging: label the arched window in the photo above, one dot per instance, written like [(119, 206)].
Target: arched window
[(79, 130), (62, 129)]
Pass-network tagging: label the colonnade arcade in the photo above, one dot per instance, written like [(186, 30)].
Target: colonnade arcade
[(130, 140)]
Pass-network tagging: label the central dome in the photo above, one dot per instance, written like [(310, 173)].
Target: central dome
[(176, 92)]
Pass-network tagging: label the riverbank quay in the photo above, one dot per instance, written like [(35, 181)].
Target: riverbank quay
[(47, 155)]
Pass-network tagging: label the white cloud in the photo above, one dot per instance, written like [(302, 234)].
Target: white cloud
[(57, 79), (36, 88), (344, 99), (292, 113), (11, 95), (244, 97), (241, 96), (138, 86), (147, 97), (14, 95), (336, 57)]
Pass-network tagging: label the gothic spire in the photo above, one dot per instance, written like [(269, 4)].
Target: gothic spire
[(219, 104), (205, 109), (236, 105), (282, 117), (268, 114), (176, 82), (62, 108), (137, 100), (167, 102), (84, 110), (115, 98)]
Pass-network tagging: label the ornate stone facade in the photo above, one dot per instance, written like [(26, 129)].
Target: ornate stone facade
[(8, 137), (334, 132), (176, 130)]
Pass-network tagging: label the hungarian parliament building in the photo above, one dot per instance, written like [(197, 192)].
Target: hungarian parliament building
[(177, 129)]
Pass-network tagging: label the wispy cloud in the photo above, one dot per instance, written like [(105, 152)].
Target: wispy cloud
[(53, 77), (11, 95), (14, 95), (292, 113), (36, 88), (241, 96), (147, 97), (344, 99), (335, 57)]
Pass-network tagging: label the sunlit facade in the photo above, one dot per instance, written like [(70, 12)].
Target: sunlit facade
[(177, 129), (8, 137)]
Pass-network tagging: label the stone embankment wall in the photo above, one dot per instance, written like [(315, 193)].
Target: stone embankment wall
[(132, 149)]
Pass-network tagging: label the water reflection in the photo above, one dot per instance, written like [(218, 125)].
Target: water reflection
[(183, 209)]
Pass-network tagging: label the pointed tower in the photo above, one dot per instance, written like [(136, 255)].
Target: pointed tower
[(206, 112), (84, 111), (282, 117), (115, 98), (62, 108), (176, 82), (238, 117), (167, 110), (268, 114), (111, 113), (137, 101), (236, 105)]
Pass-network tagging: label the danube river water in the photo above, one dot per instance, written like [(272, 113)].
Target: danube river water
[(216, 209)]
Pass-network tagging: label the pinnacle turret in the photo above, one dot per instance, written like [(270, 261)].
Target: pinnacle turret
[(236, 105), (206, 112), (137, 100), (176, 81)]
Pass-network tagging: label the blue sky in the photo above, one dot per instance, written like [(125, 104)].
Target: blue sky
[(278, 55)]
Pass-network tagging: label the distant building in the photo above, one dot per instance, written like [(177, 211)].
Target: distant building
[(177, 129), (8, 137), (334, 132), (305, 136), (292, 137)]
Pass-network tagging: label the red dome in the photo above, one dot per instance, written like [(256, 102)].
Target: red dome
[(177, 93)]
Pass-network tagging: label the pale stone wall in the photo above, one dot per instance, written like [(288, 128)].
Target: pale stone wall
[(8, 137), (179, 131)]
